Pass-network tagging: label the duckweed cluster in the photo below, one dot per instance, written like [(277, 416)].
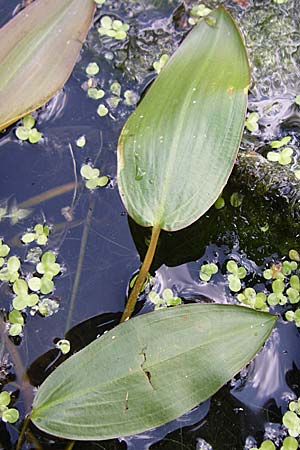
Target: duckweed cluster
[(92, 177), (7, 414), (27, 131), (282, 285), (291, 424), (29, 289), (112, 96), (166, 299)]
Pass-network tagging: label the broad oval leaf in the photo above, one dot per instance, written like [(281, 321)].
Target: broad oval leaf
[(38, 51), (177, 149), (149, 370)]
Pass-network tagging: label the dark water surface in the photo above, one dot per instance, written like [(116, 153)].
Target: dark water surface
[(254, 401)]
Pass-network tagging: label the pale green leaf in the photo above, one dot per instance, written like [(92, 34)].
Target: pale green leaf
[(200, 346), (177, 149), (39, 48)]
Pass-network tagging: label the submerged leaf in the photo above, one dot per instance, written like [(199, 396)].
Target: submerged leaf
[(177, 149), (201, 346), (38, 51)]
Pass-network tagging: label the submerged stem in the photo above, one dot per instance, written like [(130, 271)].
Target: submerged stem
[(23, 431), (80, 262), (142, 274)]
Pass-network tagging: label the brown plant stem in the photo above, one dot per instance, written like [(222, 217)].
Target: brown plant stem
[(23, 431), (142, 274), (54, 192), (70, 445)]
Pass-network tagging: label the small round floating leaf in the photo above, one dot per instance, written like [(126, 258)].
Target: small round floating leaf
[(289, 443), (102, 110), (267, 445), (95, 93), (281, 143), (4, 250), (290, 316), (81, 141), (27, 238), (273, 156), (34, 284), (106, 22), (64, 346), (11, 415), (22, 133), (13, 264), (29, 121), (232, 267), (15, 329), (20, 302), (47, 285), (92, 184), (219, 203), (234, 283), (88, 172), (292, 422), (15, 317), (92, 68), (4, 398), (103, 181), (236, 199)]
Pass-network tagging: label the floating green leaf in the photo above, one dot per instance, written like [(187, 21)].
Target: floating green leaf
[(201, 345), (39, 48), (177, 149)]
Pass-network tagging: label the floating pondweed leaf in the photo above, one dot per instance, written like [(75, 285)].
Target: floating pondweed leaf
[(127, 384), (39, 48)]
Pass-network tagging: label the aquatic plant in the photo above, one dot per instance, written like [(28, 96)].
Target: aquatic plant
[(46, 26), (153, 162)]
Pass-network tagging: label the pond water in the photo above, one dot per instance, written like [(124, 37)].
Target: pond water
[(100, 249)]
